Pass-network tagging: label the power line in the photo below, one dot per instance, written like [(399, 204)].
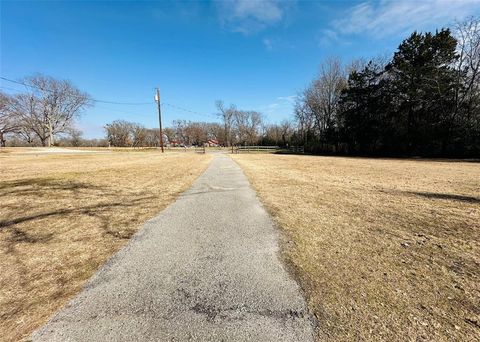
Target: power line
[(92, 99), (144, 114), (114, 110), (112, 102), (3, 87), (123, 111), (188, 110)]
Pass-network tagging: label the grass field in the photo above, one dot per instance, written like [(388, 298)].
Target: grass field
[(62, 216), (384, 249)]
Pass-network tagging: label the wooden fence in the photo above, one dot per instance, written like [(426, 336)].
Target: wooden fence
[(268, 149), (200, 149)]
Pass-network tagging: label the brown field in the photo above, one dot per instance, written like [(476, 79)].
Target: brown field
[(384, 249), (62, 216)]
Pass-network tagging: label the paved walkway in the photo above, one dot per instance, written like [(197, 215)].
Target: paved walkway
[(205, 269)]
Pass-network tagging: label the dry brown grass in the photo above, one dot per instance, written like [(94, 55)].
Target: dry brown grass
[(62, 216), (385, 249)]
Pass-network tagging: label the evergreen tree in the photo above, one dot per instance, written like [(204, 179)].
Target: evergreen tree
[(361, 114), (423, 81)]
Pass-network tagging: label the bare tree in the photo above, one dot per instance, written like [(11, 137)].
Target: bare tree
[(48, 107), (139, 135), (215, 131), (247, 126), (181, 134), (227, 116), (303, 117), (8, 120), (323, 95), (119, 133), (169, 134), (254, 125), (355, 65), (467, 92), (152, 137), (196, 132), (75, 137), (286, 129), (272, 134)]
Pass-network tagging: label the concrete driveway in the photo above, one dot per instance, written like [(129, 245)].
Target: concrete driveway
[(205, 269)]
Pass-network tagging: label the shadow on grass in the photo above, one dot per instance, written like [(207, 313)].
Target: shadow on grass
[(434, 195), (49, 187), (38, 186), (453, 197), (381, 157), (92, 210), (18, 235), (295, 153)]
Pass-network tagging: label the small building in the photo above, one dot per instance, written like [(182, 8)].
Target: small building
[(212, 143)]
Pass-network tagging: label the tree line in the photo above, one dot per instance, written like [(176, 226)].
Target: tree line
[(238, 127), (425, 100), (44, 114), (123, 133)]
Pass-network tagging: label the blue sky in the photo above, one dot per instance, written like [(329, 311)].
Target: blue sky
[(255, 54)]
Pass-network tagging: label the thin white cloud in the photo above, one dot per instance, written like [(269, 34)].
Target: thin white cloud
[(328, 37), (268, 43), (383, 18), (247, 16), (275, 44), (281, 105), (288, 99)]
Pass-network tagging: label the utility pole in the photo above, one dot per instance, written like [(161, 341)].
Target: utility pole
[(157, 98)]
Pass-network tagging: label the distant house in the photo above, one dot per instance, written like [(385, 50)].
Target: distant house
[(212, 143)]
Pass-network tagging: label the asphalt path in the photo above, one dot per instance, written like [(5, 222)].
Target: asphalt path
[(207, 268)]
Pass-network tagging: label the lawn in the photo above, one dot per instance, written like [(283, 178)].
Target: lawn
[(384, 249), (62, 216)]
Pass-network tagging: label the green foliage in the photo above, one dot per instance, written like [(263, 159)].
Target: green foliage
[(410, 105)]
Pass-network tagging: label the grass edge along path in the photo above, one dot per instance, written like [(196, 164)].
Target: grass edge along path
[(385, 249), (63, 216)]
